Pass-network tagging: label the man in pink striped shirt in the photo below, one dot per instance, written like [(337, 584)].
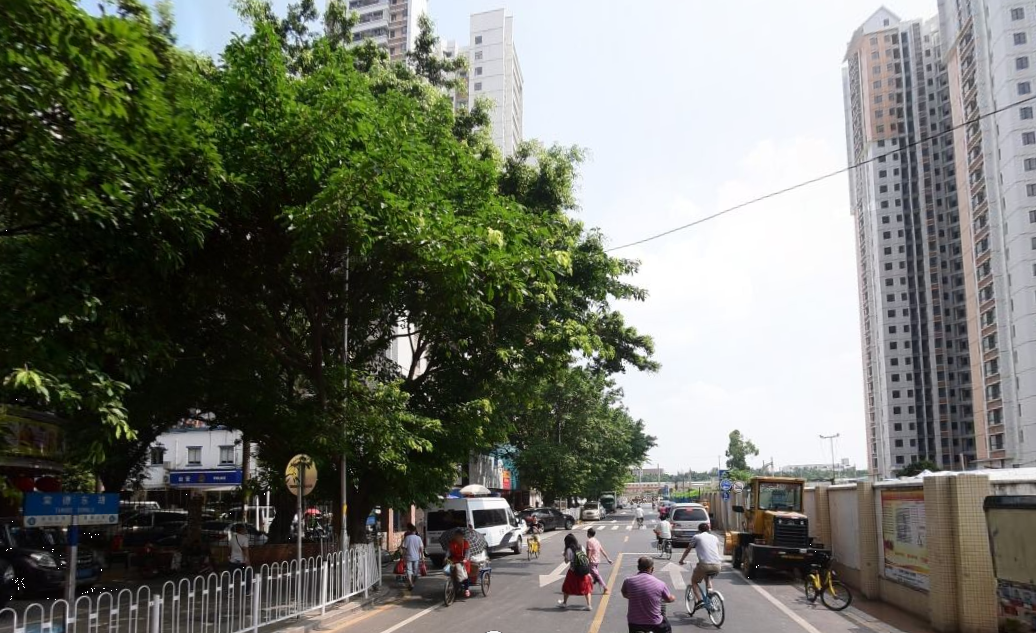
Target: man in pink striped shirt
[(646, 594)]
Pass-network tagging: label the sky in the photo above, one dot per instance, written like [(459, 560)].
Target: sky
[(685, 109)]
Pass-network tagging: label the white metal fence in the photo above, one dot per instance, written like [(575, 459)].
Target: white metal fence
[(227, 602)]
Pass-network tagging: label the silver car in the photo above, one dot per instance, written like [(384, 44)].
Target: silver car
[(592, 511)]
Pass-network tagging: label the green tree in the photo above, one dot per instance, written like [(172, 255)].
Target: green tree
[(738, 451), (105, 166), (916, 468)]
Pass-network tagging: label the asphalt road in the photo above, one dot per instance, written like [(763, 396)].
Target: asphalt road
[(524, 596)]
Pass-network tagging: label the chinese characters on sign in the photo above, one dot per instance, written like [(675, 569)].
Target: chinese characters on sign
[(48, 510), (903, 536)]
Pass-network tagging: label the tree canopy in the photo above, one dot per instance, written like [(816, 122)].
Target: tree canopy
[(738, 451), (181, 235)]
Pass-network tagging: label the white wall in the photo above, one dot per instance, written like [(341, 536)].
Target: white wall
[(845, 519), (177, 443)]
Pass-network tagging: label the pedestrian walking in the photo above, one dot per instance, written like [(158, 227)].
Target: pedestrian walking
[(594, 550), (577, 580), (413, 554)]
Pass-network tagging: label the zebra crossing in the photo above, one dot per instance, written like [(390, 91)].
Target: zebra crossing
[(601, 527)]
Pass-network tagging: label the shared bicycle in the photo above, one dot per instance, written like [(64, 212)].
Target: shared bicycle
[(822, 582), (532, 548), (712, 602)]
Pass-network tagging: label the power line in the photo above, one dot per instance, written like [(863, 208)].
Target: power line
[(811, 181)]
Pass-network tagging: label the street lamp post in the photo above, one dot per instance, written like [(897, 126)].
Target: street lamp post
[(831, 438)]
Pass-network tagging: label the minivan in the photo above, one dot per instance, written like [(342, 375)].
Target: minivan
[(490, 516), (686, 517)]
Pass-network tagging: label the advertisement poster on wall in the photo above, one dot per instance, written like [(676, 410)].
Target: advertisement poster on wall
[(903, 536)]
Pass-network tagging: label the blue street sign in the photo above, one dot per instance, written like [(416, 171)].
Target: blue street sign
[(725, 495), (44, 509), (205, 478), (726, 485), (723, 474)]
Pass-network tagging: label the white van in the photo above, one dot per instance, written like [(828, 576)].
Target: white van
[(490, 516)]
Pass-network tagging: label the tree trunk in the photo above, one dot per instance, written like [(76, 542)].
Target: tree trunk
[(286, 506)]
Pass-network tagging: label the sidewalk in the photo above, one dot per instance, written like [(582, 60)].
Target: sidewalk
[(884, 617)]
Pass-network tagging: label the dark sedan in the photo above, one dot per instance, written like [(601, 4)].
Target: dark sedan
[(551, 518)]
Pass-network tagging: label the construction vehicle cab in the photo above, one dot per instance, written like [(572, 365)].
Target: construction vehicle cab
[(773, 531)]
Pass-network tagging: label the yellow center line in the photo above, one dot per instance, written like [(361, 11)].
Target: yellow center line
[(603, 604)]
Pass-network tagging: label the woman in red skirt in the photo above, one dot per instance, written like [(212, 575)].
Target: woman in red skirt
[(576, 582)]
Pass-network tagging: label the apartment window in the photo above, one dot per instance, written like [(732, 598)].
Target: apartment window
[(1024, 87), (478, 85), (1029, 138), (1032, 217), (1030, 190), (877, 85), (1021, 63), (1018, 14), (226, 455), (874, 54), (478, 54), (156, 454), (899, 443), (478, 38), (194, 456), (1019, 39), (1034, 243), (478, 71), (1025, 113), (877, 98), (1030, 164)]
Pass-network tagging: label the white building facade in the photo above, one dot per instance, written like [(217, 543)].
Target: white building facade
[(391, 24), (200, 457), (494, 73), (917, 369)]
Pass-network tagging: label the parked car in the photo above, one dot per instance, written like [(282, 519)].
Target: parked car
[(8, 583), (38, 558), (686, 517), (592, 511), (218, 533), (152, 527), (551, 518)]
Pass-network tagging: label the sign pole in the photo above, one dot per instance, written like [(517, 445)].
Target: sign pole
[(73, 563), (300, 478)]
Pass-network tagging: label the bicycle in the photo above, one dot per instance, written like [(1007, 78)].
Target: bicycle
[(652, 630), (712, 601), (822, 581), (664, 548), (453, 586), (532, 547)]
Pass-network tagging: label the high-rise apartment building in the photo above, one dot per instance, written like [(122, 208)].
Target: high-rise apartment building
[(990, 50), (391, 24), (917, 367), (494, 73)]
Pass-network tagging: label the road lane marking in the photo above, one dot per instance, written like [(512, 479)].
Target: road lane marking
[(614, 527), (625, 540), (629, 528), (796, 618), (602, 604), (411, 619), (554, 576)]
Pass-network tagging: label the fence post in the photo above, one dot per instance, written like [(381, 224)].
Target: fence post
[(256, 586), (324, 568), (367, 574), (155, 621)]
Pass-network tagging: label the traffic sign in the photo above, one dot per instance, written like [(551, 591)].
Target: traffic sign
[(41, 509), (301, 466), (726, 485), (725, 495), (738, 486), (723, 474)]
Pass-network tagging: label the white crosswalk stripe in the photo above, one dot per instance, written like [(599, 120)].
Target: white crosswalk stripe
[(629, 528), (614, 527)]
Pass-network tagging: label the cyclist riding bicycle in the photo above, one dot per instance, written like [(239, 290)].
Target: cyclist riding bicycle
[(706, 548), (646, 595), (639, 513), (664, 532)]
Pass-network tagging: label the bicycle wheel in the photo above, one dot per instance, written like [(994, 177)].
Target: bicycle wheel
[(537, 551), (837, 596), (528, 551), (449, 592), (688, 600), (811, 588), (717, 612), (484, 580), (668, 551)]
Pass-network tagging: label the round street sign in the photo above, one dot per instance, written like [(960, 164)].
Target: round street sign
[(301, 465), (725, 485), (739, 486)]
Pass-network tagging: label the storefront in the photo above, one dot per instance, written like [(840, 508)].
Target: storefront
[(32, 447)]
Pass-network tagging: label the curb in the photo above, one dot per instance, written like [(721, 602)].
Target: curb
[(340, 614)]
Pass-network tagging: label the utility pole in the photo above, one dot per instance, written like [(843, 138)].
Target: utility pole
[(831, 438), (344, 483)]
